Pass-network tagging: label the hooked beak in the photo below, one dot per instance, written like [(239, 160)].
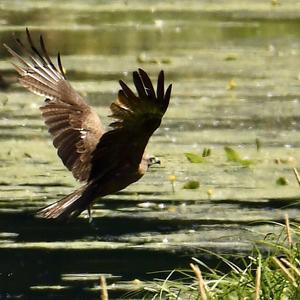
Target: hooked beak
[(156, 162), (153, 161)]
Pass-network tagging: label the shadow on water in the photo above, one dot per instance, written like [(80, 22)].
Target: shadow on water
[(31, 260), (35, 255), (126, 240)]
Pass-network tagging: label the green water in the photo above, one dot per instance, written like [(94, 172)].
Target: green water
[(148, 227)]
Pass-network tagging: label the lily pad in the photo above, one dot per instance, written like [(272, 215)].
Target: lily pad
[(234, 156), (282, 181), (191, 185), (194, 158)]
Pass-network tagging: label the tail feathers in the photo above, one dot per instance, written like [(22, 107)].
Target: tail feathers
[(70, 206)]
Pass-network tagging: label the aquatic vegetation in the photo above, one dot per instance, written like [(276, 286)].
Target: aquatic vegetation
[(145, 58), (254, 44), (206, 152), (231, 85), (191, 185), (230, 57), (233, 156), (282, 181), (258, 144), (172, 179), (271, 271), (194, 158)]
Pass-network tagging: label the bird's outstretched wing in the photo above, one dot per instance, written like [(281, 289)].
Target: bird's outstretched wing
[(136, 118), (74, 126)]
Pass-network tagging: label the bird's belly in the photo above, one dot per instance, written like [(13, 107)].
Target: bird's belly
[(116, 183)]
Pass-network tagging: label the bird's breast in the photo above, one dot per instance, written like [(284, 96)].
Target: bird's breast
[(118, 179)]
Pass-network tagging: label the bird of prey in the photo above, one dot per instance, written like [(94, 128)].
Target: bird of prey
[(106, 161)]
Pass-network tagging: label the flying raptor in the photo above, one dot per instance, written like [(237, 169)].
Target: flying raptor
[(106, 161)]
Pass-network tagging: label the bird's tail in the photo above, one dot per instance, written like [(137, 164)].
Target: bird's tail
[(69, 206)]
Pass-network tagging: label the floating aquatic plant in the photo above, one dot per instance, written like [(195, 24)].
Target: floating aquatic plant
[(191, 185), (196, 158), (233, 155)]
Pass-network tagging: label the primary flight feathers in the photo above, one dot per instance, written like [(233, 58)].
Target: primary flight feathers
[(92, 154)]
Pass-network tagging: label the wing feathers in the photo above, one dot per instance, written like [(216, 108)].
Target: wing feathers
[(136, 118), (148, 84), (52, 67), (129, 108), (128, 92), (120, 112), (160, 85), (139, 85), (42, 63), (67, 142), (60, 126), (124, 101), (60, 66), (60, 136), (74, 126), (38, 87), (76, 129), (55, 118)]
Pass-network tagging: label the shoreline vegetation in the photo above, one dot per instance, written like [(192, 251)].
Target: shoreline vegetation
[(272, 271)]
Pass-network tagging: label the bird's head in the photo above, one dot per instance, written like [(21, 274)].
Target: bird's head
[(152, 160)]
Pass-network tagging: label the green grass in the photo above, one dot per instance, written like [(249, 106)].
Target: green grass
[(272, 271)]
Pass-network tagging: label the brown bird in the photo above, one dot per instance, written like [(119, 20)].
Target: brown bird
[(107, 161)]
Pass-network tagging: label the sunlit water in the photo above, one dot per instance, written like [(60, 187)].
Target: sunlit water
[(235, 73)]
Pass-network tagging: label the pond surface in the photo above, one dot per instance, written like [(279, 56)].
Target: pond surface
[(235, 71)]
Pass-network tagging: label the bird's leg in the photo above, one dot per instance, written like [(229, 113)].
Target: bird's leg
[(90, 213)]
